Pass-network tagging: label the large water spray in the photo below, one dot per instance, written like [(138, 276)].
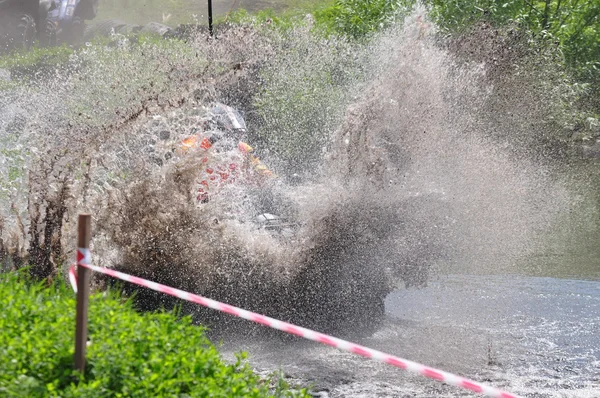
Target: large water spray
[(399, 170)]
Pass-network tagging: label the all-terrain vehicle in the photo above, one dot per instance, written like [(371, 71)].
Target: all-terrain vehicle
[(205, 147), (66, 19), (227, 160), (18, 22), (49, 21)]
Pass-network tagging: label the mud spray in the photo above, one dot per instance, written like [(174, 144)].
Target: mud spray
[(407, 159)]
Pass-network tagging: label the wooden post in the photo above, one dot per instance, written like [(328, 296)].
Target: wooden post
[(84, 232), (210, 18)]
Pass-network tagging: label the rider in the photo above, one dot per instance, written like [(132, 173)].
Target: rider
[(226, 157)]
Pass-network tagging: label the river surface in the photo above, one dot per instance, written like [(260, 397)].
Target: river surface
[(533, 336)]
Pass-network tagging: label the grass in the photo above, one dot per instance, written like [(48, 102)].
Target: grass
[(130, 355), (174, 12), (50, 56)]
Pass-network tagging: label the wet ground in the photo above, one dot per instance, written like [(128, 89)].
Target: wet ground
[(536, 337)]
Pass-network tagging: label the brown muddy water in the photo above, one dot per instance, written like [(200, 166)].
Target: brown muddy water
[(534, 332), (532, 336)]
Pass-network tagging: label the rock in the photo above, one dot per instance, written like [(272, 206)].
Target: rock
[(158, 28), (593, 126), (591, 151)]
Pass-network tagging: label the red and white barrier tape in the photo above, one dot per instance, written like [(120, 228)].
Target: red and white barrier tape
[(84, 259)]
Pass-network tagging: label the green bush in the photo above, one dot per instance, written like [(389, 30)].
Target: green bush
[(573, 25), (286, 19), (352, 18), (131, 355), (360, 18)]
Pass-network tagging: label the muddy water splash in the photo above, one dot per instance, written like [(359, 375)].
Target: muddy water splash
[(420, 131), (405, 175)]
